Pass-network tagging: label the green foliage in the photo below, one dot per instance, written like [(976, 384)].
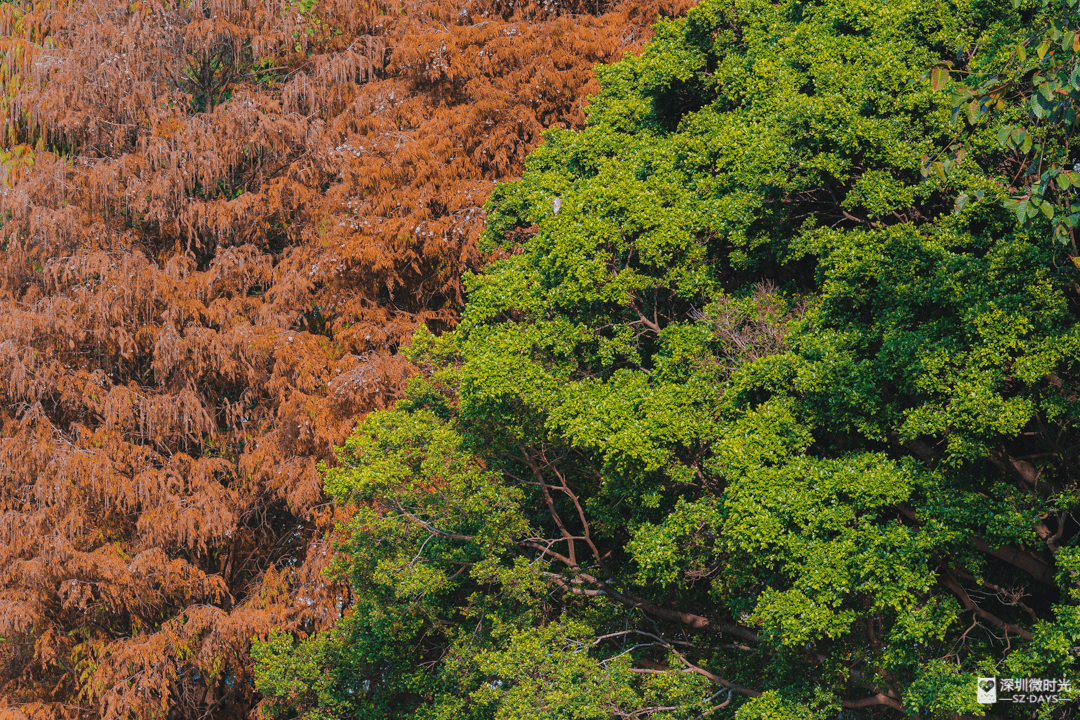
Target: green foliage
[(1033, 95), (766, 416)]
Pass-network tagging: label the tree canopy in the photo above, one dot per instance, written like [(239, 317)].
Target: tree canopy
[(765, 408), (219, 220)]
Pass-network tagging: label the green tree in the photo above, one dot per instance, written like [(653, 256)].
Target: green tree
[(752, 413)]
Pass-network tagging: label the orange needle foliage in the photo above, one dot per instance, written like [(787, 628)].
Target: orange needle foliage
[(219, 220)]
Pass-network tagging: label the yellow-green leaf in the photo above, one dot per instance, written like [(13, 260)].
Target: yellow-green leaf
[(973, 111)]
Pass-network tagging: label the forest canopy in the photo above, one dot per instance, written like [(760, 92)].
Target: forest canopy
[(765, 408), (220, 219), (516, 360)]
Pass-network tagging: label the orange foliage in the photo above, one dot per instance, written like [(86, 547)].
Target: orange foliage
[(220, 220)]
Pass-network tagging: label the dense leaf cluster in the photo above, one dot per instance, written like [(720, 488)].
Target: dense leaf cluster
[(1037, 88), (751, 416)]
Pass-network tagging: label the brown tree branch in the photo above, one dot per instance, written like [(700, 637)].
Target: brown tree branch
[(567, 535), (951, 583), (1028, 474), (580, 511), (1018, 558), (873, 701)]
